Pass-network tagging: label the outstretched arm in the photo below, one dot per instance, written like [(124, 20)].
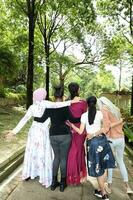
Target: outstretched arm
[(23, 121), (50, 104)]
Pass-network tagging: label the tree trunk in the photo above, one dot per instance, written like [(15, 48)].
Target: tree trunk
[(131, 33), (61, 77), (47, 75), (132, 97), (120, 68), (31, 16)]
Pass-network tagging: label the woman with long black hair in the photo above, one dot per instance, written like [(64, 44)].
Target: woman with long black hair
[(76, 165), (99, 154)]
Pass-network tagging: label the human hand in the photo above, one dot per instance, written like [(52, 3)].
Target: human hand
[(75, 100), (89, 136), (68, 123)]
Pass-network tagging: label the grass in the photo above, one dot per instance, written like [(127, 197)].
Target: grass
[(9, 117)]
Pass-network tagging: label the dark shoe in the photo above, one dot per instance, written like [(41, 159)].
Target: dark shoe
[(105, 197), (62, 187), (54, 185), (98, 194), (27, 179), (63, 184)]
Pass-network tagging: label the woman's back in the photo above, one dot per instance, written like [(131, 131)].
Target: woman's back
[(108, 119), (77, 109), (76, 166)]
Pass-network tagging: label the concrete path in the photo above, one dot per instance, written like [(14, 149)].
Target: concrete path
[(32, 190), (17, 189)]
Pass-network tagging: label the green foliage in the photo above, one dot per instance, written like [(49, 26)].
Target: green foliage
[(69, 22), (92, 83), (114, 49), (7, 62), (114, 8), (2, 92), (128, 130), (13, 44), (21, 89)]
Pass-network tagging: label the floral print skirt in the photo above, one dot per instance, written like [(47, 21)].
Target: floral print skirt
[(99, 156)]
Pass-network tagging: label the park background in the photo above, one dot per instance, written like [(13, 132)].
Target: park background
[(48, 42)]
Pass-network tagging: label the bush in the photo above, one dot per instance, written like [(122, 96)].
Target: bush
[(21, 89), (128, 131), (2, 92)]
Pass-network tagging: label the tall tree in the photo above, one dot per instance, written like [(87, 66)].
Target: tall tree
[(61, 21), (31, 10), (32, 14), (120, 13)]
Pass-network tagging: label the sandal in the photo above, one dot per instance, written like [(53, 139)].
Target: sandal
[(107, 188), (129, 190)]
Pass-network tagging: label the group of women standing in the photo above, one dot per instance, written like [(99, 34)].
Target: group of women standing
[(72, 123)]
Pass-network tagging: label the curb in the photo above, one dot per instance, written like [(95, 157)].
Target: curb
[(10, 164), (129, 151)]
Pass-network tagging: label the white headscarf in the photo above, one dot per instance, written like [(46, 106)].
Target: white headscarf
[(103, 101), (39, 94)]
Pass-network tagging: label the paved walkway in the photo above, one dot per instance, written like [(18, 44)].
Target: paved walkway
[(32, 190)]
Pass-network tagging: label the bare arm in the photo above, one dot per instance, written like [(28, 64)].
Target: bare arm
[(103, 130), (79, 130), (90, 136), (116, 123)]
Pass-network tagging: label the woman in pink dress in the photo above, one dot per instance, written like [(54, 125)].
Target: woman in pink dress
[(76, 165)]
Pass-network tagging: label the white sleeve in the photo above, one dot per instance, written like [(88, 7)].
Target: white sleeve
[(83, 118), (50, 104), (23, 121)]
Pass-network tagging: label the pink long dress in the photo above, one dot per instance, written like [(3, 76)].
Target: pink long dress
[(76, 165)]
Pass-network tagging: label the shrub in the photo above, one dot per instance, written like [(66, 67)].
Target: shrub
[(21, 89), (128, 131)]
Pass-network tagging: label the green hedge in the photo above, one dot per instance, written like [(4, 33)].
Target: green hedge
[(128, 131)]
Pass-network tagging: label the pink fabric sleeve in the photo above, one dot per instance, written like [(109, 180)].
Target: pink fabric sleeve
[(85, 106)]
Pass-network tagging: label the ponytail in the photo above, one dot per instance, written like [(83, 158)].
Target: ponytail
[(91, 101)]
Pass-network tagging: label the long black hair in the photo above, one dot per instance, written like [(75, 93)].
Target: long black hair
[(58, 91), (91, 101), (73, 89)]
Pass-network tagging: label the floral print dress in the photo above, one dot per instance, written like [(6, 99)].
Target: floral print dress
[(38, 158)]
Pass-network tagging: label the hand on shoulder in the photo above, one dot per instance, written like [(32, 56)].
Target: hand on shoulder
[(75, 100)]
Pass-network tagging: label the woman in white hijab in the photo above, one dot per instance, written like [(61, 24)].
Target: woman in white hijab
[(113, 122), (38, 158)]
